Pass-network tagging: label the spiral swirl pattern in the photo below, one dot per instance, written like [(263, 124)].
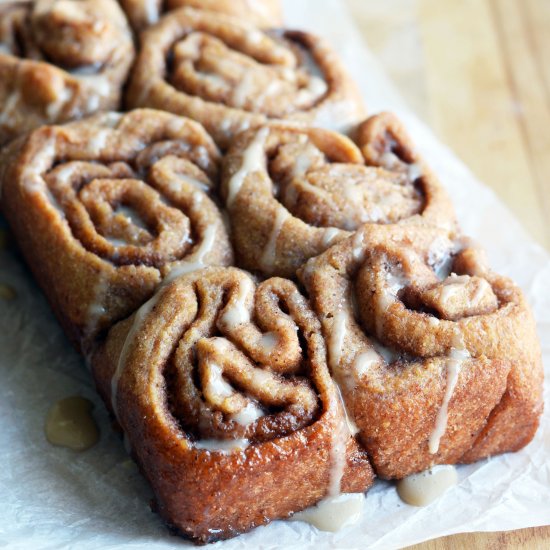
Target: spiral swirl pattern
[(428, 346), (216, 373), (293, 192), (108, 207), (230, 76), (60, 60)]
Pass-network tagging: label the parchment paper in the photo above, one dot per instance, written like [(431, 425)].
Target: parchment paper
[(55, 498)]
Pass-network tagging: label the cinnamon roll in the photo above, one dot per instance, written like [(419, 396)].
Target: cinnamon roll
[(103, 209), (261, 13), (60, 60), (231, 76), (292, 192), (222, 389), (437, 356)]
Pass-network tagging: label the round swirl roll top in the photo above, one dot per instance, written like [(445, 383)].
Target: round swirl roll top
[(385, 143), (60, 60), (262, 13), (230, 76), (292, 192), (247, 354), (219, 374), (106, 208), (436, 355), (401, 297)]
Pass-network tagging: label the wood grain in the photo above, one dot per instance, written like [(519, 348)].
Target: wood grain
[(478, 72)]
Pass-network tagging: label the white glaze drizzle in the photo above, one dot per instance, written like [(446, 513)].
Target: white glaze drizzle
[(248, 415), (389, 355), (54, 108), (244, 89), (216, 390), (151, 12), (302, 164), (132, 215), (189, 180), (8, 108), (97, 143), (65, 173), (224, 446), (483, 287), (440, 257), (97, 309), (38, 166), (253, 160), (336, 341), (254, 36), (329, 235), (137, 323), (337, 510), (423, 488), (333, 513), (390, 160), (269, 91), (314, 70), (268, 342), (394, 282), (111, 119), (457, 356), (339, 441), (215, 385), (192, 263), (237, 313), (116, 242), (364, 361), (453, 284), (357, 246), (414, 171), (269, 254)]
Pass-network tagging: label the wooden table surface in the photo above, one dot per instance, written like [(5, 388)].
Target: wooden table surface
[(478, 72)]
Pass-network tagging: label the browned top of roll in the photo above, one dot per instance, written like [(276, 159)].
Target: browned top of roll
[(262, 13), (222, 388), (59, 60), (428, 346), (244, 362), (230, 76), (293, 192), (105, 208)]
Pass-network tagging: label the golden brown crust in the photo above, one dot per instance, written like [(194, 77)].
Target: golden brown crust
[(409, 342), (261, 13), (231, 76), (292, 192), (213, 359), (104, 208), (60, 60)]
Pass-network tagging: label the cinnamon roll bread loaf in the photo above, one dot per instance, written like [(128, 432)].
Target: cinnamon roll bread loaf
[(222, 389), (437, 357), (231, 76), (261, 13), (105, 208), (292, 192), (242, 400), (60, 60)]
